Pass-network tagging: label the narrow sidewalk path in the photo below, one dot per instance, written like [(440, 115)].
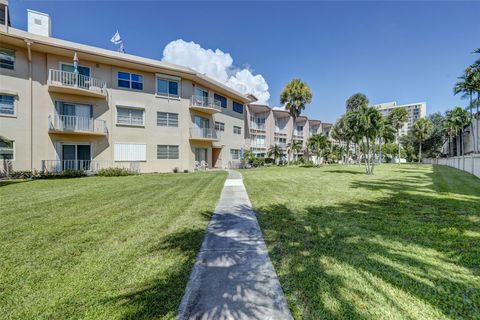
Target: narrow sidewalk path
[(233, 277)]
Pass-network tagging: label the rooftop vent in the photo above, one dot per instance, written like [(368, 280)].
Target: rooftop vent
[(39, 23)]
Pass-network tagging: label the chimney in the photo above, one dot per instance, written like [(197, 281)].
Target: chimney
[(39, 23)]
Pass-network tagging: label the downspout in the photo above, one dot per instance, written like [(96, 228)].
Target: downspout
[(29, 50)]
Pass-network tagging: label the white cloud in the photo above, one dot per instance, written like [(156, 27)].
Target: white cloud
[(218, 65)]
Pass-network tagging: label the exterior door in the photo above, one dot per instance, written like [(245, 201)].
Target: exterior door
[(69, 154), (84, 157), (201, 154), (76, 157)]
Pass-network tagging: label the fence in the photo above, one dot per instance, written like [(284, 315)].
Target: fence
[(470, 163)]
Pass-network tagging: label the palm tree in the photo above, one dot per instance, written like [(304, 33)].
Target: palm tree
[(318, 143), (366, 122), (467, 86), (356, 101), (455, 121), (276, 152), (397, 117), (339, 133), (294, 147), (386, 135), (422, 130), (295, 96)]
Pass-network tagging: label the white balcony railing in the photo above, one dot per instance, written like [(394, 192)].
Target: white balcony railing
[(76, 123), (205, 102), (87, 165), (76, 80), (280, 130), (258, 145), (204, 133), (257, 126)]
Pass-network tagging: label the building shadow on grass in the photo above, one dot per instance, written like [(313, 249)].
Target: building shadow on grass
[(418, 244)]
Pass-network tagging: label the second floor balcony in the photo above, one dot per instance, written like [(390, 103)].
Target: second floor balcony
[(204, 134), (205, 104), (65, 124), (74, 83)]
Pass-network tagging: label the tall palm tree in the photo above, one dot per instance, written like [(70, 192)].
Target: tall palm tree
[(294, 147), (467, 87), (295, 96), (398, 117), (387, 134), (338, 132), (422, 130), (455, 121), (318, 143), (276, 152), (356, 101)]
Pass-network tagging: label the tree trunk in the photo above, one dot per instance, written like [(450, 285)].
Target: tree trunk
[(420, 151), (380, 157), (398, 144)]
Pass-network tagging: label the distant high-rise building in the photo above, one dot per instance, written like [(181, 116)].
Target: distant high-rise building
[(415, 110)]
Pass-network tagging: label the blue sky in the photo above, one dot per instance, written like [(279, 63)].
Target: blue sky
[(391, 51)]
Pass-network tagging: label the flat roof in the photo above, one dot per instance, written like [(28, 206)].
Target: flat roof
[(62, 47)]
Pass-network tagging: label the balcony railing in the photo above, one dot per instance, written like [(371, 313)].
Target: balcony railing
[(77, 81), (258, 145), (87, 165), (204, 133), (66, 123), (205, 103), (257, 126), (280, 130)]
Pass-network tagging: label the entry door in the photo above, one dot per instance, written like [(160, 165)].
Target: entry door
[(84, 156), (201, 122), (201, 154), (74, 80), (69, 155), (76, 157), (75, 116)]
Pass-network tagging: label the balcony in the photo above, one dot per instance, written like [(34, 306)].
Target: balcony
[(74, 83), (204, 134), (76, 125), (205, 104), (258, 145), (280, 132), (89, 166)]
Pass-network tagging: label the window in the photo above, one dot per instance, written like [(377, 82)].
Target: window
[(130, 152), (7, 105), (237, 130), (168, 87), (237, 107), (130, 81), (167, 152), (7, 150), (222, 99), (167, 119), (220, 126), (235, 154), (299, 129), (7, 58), (130, 116)]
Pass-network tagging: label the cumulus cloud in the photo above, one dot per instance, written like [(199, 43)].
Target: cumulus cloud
[(217, 65)]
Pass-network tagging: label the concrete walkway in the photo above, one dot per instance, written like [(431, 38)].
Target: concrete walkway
[(233, 277)]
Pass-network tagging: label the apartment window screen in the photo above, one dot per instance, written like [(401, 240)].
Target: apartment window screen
[(7, 104), (235, 153), (222, 99), (167, 119), (130, 116), (167, 152), (220, 126), (130, 81), (7, 58), (167, 87), (237, 107), (130, 152), (237, 130), (7, 149)]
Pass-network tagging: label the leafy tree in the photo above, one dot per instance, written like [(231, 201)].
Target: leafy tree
[(432, 146), (356, 101), (422, 129), (317, 144), (398, 117), (276, 152), (295, 96)]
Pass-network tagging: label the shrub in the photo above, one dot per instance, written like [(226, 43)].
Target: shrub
[(185, 171), (72, 174), (114, 172), (27, 174), (258, 162), (175, 170)]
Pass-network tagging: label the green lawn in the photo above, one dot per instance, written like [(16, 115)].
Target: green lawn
[(402, 244), (101, 248)]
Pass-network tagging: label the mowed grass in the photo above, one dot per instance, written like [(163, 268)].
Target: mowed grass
[(101, 248), (402, 244)]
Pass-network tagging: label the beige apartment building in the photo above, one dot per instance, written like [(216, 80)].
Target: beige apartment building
[(266, 127), (415, 110), (113, 109)]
